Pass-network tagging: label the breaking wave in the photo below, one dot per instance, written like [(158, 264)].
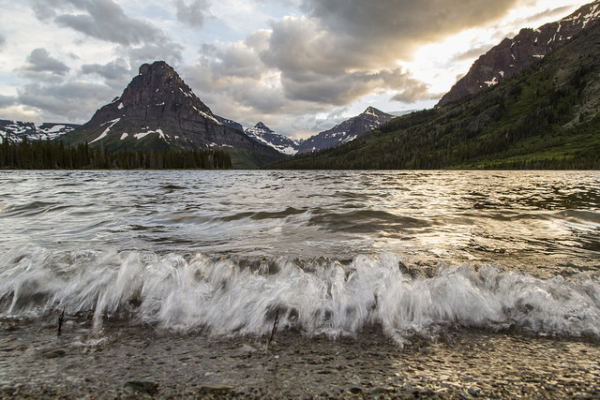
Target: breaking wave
[(229, 296)]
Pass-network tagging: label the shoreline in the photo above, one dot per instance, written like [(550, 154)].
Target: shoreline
[(128, 361)]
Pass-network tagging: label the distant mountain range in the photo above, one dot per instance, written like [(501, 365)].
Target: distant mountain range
[(15, 131), (340, 134), (158, 111), (347, 131)]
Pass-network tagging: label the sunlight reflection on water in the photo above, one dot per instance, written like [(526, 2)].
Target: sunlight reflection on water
[(504, 218)]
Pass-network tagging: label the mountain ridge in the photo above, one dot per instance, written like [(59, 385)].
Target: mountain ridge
[(347, 131), (512, 56), (15, 131)]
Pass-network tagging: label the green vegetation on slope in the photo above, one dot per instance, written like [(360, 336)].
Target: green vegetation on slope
[(547, 118)]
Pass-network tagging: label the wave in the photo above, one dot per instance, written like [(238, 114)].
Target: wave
[(231, 296)]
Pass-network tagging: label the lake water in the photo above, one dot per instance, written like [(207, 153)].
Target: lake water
[(324, 252)]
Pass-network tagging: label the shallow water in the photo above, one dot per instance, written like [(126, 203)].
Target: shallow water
[(323, 252)]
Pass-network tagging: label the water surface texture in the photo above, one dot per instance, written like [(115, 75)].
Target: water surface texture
[(325, 252)]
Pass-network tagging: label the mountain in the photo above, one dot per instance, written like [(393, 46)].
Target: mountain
[(548, 116), (513, 56), (158, 111), (232, 124), (279, 142), (15, 131), (346, 131)]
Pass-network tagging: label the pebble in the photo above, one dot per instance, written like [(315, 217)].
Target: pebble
[(470, 364), (150, 388)]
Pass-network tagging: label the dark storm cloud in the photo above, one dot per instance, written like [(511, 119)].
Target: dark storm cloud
[(40, 61), (193, 14)]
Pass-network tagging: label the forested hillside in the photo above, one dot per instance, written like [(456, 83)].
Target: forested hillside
[(43, 154), (546, 117)]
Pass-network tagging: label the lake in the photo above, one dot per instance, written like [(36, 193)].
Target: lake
[(324, 252)]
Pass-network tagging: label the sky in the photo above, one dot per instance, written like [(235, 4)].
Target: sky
[(299, 66)]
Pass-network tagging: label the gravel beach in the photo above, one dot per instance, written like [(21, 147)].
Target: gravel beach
[(133, 361)]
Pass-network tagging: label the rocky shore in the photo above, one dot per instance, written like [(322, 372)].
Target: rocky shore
[(142, 361)]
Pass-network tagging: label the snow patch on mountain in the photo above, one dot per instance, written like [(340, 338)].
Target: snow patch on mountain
[(279, 142), (107, 130)]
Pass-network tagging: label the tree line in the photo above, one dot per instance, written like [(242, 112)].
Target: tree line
[(42, 154)]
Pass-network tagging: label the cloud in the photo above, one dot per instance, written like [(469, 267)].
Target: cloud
[(45, 9), (116, 74), (40, 61), (73, 99), (233, 60), (19, 112), (7, 101), (2, 41), (471, 53), (169, 52), (114, 70), (315, 67), (100, 19), (553, 14), (193, 14), (106, 20)]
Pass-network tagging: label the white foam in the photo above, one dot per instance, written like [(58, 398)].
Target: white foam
[(318, 297)]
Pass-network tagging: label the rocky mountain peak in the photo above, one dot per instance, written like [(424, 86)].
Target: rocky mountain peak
[(277, 141), (373, 111), (158, 84), (262, 126), (159, 111)]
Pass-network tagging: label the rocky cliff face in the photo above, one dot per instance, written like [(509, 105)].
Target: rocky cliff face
[(282, 144), (347, 131), (15, 131), (512, 56), (230, 123), (159, 111)]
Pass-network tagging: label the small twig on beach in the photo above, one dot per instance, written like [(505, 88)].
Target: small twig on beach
[(61, 319), (274, 327)]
